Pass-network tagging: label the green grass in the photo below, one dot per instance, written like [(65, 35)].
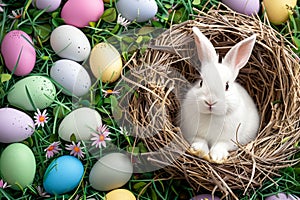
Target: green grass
[(148, 186)]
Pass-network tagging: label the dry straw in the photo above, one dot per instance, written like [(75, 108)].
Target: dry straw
[(271, 77)]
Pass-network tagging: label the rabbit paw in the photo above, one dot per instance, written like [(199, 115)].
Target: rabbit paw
[(200, 149), (218, 154)]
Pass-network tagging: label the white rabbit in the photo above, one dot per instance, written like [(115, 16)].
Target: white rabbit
[(217, 112)]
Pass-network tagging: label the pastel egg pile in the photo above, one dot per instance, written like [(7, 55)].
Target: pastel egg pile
[(78, 66)]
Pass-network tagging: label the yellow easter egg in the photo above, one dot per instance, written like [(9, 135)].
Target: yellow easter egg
[(119, 194), (105, 62), (278, 10)]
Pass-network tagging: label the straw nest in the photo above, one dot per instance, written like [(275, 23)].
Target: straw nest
[(159, 77)]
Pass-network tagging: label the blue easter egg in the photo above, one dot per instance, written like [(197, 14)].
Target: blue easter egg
[(63, 175)]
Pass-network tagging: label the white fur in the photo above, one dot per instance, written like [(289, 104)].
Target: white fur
[(212, 119)]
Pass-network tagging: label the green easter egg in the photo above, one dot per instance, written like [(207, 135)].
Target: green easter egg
[(32, 92), (17, 165)]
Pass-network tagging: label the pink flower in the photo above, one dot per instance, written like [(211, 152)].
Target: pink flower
[(75, 149), (40, 118), (52, 149), (100, 137), (3, 184)]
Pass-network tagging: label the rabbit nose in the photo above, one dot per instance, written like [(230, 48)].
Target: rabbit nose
[(209, 103)]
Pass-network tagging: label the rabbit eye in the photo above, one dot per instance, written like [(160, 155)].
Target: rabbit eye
[(201, 83), (227, 86)]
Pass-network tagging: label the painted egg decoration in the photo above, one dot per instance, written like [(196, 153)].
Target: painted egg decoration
[(17, 165), (63, 175), (37, 90), (71, 76), (278, 10), (18, 52), (15, 125), (70, 42), (105, 62), (79, 13), (282, 196), (139, 10), (205, 196), (81, 122), (120, 194), (247, 7), (110, 172), (48, 5)]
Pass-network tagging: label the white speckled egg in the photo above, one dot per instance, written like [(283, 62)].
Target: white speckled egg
[(81, 122), (49, 5), (15, 125), (38, 90), (110, 172), (72, 76), (139, 10), (105, 62), (17, 48), (70, 42)]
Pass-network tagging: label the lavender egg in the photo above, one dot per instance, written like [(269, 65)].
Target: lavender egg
[(282, 196), (247, 7), (15, 125)]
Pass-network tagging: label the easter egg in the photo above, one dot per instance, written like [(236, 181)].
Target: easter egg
[(48, 5), (81, 122), (79, 13), (120, 194), (32, 90), (105, 62), (205, 196), (138, 10), (110, 172), (282, 196), (63, 175), (278, 10), (18, 52), (17, 165), (70, 42), (15, 125), (71, 76), (243, 6)]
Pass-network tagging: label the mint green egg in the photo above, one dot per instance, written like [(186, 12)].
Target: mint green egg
[(32, 92), (17, 165)]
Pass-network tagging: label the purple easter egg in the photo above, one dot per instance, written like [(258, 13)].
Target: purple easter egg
[(247, 7), (282, 196)]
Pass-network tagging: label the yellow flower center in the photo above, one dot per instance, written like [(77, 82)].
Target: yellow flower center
[(41, 118), (76, 149), (51, 148), (109, 91), (101, 138)]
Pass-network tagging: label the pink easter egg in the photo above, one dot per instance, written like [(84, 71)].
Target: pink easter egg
[(79, 13), (17, 50)]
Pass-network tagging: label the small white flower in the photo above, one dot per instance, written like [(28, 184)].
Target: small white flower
[(40, 118), (16, 14), (2, 5), (122, 21)]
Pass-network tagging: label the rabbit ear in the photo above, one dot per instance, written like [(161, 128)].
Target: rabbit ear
[(205, 49), (238, 56)]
